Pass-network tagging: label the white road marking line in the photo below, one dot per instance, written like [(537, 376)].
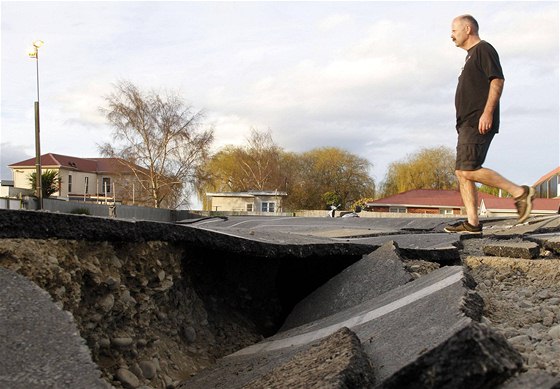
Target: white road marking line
[(362, 318), (248, 221)]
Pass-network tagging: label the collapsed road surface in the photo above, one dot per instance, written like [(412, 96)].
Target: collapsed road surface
[(278, 302)]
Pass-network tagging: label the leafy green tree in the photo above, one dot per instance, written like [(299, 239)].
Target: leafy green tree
[(430, 168), (254, 166), (331, 198), (331, 169), (493, 191), (50, 182)]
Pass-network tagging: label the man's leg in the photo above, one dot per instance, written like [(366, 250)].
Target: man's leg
[(469, 194), (490, 178), (472, 148)]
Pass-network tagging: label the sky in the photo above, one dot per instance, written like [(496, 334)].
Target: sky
[(375, 78)]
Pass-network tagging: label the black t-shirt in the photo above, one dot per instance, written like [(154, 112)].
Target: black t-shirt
[(482, 65)]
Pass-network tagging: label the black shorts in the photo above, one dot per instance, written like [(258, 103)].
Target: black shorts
[(472, 148)]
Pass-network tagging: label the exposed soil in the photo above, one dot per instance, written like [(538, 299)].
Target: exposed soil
[(133, 305)]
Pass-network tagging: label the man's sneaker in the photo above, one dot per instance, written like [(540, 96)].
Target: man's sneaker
[(524, 203), (464, 228)]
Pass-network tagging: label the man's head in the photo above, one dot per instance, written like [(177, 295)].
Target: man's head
[(464, 31)]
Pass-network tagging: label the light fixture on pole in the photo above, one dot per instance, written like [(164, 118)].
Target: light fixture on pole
[(38, 176)]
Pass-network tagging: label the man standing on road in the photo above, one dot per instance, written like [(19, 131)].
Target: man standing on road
[(478, 118)]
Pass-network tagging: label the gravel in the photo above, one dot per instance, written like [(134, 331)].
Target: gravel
[(522, 301)]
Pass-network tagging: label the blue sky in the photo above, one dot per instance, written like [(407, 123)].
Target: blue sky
[(375, 78)]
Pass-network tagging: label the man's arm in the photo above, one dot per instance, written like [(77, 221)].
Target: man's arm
[(485, 121)]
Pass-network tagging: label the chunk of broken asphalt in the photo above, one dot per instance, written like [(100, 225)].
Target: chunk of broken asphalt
[(338, 361), (41, 346), (512, 249), (548, 241), (373, 275)]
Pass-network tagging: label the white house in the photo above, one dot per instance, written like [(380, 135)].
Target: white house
[(94, 179), (265, 202)]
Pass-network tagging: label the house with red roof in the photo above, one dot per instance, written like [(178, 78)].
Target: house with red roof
[(449, 202), (96, 179), (425, 201), (499, 206)]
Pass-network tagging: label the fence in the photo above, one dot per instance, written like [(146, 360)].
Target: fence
[(103, 210), (8, 203), (169, 215)]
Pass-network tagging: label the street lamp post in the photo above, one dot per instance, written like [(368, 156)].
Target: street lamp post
[(38, 175)]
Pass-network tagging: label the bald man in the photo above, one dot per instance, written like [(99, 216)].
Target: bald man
[(477, 102)]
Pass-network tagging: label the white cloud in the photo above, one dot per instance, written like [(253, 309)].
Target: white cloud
[(12, 153), (528, 33), (334, 21)]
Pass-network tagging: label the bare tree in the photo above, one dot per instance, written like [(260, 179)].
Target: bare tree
[(160, 140), (261, 160), (255, 166)]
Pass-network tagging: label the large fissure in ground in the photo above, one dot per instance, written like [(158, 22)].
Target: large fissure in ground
[(163, 310), (263, 290)]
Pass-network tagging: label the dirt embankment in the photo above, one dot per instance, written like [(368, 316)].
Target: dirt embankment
[(140, 315)]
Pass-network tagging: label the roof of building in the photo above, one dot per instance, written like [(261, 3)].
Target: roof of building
[(425, 198), (251, 193), (539, 204), (91, 165), (432, 198), (547, 176)]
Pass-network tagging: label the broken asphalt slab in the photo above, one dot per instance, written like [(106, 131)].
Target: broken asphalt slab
[(372, 276), (415, 236), (442, 248), (512, 249), (41, 346), (338, 361), (509, 228), (421, 334), (550, 241)]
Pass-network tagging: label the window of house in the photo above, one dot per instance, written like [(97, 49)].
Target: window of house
[(267, 206), (446, 211), (69, 183), (86, 185), (249, 207), (553, 192), (397, 209), (106, 185)]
